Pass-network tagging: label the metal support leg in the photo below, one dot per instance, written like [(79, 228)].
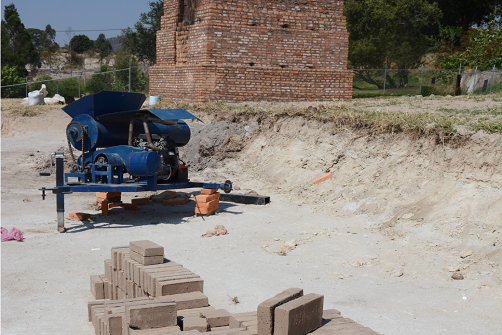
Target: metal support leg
[(60, 197)]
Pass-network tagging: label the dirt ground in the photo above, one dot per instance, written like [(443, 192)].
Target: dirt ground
[(379, 239)]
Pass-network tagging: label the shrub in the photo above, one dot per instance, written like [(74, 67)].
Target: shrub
[(10, 76)]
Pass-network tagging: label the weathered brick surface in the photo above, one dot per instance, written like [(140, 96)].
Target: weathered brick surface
[(97, 287), (170, 287), (188, 300), (155, 331), (195, 323), (146, 260), (151, 315), (217, 318), (237, 319), (265, 311), (146, 248), (252, 51), (299, 316)]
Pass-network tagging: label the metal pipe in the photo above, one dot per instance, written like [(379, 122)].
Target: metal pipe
[(384, 78), (131, 131), (491, 84), (60, 197), (149, 137)]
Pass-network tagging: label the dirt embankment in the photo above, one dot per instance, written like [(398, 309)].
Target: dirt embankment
[(442, 196)]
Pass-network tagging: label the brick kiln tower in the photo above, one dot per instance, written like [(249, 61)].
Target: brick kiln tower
[(262, 50)]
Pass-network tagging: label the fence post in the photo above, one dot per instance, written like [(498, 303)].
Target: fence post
[(26, 86), (475, 74), (421, 78), (491, 84), (384, 78), (57, 86), (129, 74), (460, 68), (79, 87)]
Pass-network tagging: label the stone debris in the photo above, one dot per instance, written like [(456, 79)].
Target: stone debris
[(465, 253), (457, 276), (218, 230)]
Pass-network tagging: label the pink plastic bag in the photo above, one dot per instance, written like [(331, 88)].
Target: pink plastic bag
[(14, 234)]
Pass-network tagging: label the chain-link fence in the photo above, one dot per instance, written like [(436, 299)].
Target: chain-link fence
[(132, 79), (398, 82), (366, 83)]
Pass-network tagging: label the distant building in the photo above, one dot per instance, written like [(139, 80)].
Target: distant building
[(264, 50)]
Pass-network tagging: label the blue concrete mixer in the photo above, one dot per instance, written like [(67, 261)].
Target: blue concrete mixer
[(123, 148)]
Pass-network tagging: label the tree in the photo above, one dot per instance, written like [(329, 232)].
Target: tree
[(143, 41), (10, 76), (122, 77), (100, 81), (81, 43), (44, 42), (482, 49), (466, 13), (104, 47), (393, 32), (17, 48)]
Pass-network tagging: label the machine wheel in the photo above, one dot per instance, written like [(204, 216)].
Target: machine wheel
[(227, 186)]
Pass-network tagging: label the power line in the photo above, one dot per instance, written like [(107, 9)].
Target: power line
[(67, 30)]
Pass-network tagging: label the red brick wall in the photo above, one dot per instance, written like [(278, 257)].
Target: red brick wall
[(282, 50)]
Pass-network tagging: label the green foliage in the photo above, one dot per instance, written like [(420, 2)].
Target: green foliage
[(81, 43), (10, 76), (44, 40), (17, 48), (100, 81), (103, 46), (465, 13), (68, 87), (395, 32), (482, 48), (137, 76), (142, 40)]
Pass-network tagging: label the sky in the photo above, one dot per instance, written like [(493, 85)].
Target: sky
[(79, 15)]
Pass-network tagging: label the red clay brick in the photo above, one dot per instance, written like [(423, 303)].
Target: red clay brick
[(140, 201), (299, 316), (235, 320), (266, 309), (107, 195), (322, 178), (90, 304), (207, 198), (175, 201), (131, 207), (164, 196), (206, 205), (79, 216), (208, 191), (252, 51), (208, 210), (104, 207)]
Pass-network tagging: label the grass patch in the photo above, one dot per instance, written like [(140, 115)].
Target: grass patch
[(344, 115), (14, 108)]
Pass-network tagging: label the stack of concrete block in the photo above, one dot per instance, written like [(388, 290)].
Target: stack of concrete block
[(134, 298), (207, 202), (140, 270)]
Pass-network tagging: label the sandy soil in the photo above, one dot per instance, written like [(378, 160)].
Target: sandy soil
[(376, 239)]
